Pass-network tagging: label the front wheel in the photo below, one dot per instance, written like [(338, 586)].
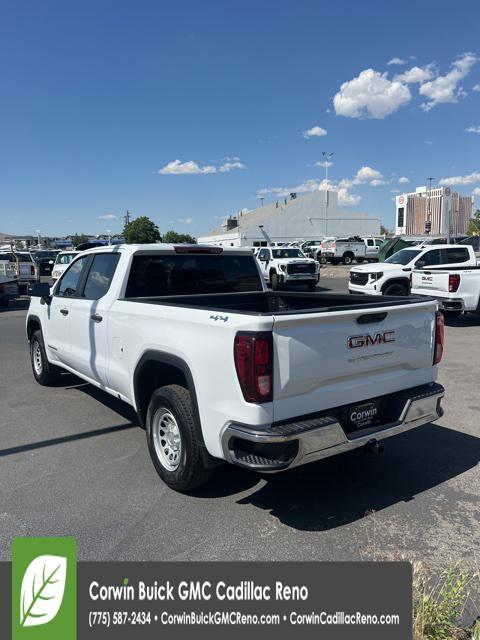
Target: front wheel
[(173, 440), (274, 281), (311, 286), (44, 373), (322, 259), (396, 289), (360, 260)]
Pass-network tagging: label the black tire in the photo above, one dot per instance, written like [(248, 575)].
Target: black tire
[(274, 281), (44, 373), (311, 286), (396, 289), (190, 471), (450, 315), (360, 260), (321, 259), (347, 258)]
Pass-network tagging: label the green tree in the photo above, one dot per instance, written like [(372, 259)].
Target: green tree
[(172, 237), (474, 227), (78, 238), (142, 230), (384, 231)]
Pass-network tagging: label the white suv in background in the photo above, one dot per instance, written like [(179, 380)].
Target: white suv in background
[(287, 266), (393, 277)]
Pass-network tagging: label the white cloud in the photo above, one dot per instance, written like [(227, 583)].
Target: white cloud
[(315, 131), (429, 142), (397, 61), (378, 183), (444, 89), (394, 190), (346, 183), (189, 221), (176, 167), (416, 75), (403, 180), (476, 192), (108, 216), (323, 163), (476, 87), (473, 129), (371, 95), (367, 174), (230, 166), (472, 178), (347, 199)]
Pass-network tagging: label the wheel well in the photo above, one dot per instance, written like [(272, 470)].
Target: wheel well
[(348, 253), (32, 326), (403, 281), (151, 375), (273, 271)]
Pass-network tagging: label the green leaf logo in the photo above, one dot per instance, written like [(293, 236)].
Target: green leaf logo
[(43, 586)]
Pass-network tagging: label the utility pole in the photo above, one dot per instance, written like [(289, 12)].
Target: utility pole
[(126, 217), (428, 222)]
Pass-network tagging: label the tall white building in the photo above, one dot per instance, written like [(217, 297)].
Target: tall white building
[(312, 216), (415, 210)]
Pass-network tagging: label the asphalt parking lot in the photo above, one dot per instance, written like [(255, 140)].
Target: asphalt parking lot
[(74, 462)]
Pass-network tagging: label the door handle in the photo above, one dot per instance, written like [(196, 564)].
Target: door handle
[(64, 312), (96, 318)]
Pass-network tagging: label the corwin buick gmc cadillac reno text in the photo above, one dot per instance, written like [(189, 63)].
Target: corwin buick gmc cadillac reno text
[(219, 368)]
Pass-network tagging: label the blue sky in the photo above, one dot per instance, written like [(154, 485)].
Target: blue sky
[(187, 111)]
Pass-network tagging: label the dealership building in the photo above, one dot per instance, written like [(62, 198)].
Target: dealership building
[(312, 216), (414, 212)]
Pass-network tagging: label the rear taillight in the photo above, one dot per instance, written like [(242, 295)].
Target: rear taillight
[(439, 337), (253, 353), (453, 282)]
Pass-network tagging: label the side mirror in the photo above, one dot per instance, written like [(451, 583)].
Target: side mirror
[(262, 258), (40, 290), (419, 264)]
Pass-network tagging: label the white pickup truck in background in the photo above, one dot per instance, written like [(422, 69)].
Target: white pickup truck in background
[(287, 265), (457, 290), (219, 368), (393, 277), (347, 250), (8, 281)]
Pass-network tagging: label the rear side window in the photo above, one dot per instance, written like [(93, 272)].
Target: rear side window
[(431, 258), (458, 254), (69, 284), (176, 275), (100, 275)]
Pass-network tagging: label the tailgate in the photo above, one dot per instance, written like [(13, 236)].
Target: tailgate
[(325, 360), (430, 281)]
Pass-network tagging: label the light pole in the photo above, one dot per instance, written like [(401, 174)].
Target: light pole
[(326, 161), (38, 239)]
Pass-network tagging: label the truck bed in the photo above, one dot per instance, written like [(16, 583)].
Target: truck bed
[(279, 302)]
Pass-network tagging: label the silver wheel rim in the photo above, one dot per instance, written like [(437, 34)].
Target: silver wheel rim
[(167, 439), (37, 358)]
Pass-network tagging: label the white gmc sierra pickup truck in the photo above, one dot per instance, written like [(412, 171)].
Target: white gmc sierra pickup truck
[(457, 290), (219, 368)]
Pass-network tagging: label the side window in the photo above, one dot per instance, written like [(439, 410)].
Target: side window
[(70, 281), (262, 255), (431, 258), (100, 275), (452, 256)]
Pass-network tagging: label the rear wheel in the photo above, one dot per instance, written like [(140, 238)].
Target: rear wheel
[(360, 260), (396, 289), (452, 314), (173, 440), (347, 258), (321, 259), (44, 373)]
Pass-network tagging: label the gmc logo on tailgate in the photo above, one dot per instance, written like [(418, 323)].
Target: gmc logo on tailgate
[(367, 340)]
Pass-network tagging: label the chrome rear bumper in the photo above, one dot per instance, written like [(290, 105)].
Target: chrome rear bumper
[(277, 447)]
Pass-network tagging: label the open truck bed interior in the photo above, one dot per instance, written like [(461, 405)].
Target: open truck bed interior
[(266, 303)]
